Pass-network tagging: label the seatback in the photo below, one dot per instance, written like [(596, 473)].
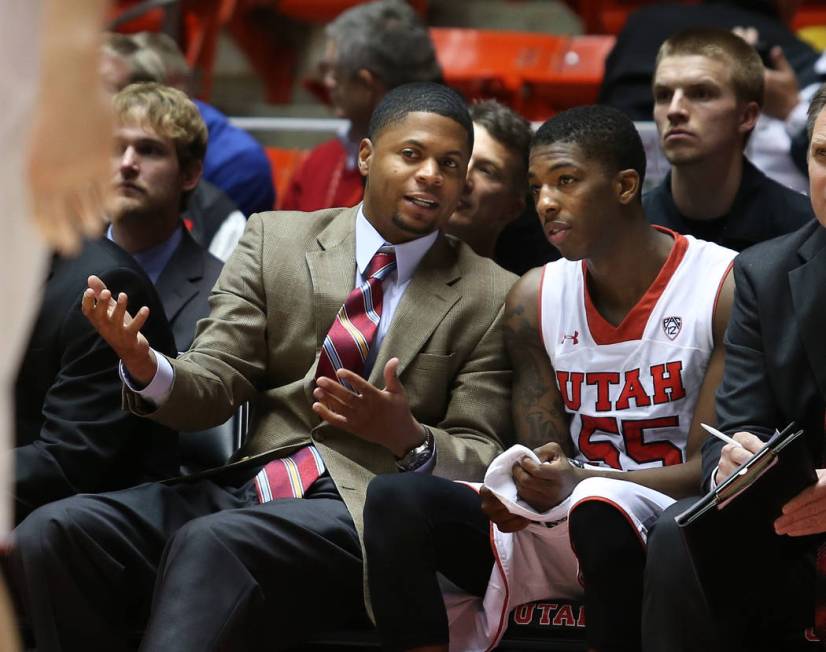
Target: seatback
[(206, 449)]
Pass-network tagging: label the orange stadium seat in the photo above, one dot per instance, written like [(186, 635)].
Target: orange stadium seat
[(199, 25), (536, 74), (283, 162)]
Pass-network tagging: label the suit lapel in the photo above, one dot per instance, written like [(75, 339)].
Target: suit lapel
[(422, 308), (332, 268), (808, 288), (178, 282)]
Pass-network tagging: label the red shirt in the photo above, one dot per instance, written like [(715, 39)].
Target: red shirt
[(323, 181)]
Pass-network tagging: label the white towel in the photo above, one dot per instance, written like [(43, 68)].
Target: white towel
[(499, 479)]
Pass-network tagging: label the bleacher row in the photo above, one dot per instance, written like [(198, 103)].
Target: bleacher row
[(531, 72)]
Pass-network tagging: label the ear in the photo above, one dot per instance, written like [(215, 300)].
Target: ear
[(191, 175), (373, 86), (627, 185), (751, 111), (365, 156), (371, 81)]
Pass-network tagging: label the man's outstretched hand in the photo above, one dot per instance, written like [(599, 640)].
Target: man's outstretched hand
[(120, 330), (381, 416)]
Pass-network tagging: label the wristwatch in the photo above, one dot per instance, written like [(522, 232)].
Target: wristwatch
[(415, 457)]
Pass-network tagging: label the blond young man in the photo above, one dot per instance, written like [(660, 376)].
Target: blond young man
[(708, 90), (160, 143)]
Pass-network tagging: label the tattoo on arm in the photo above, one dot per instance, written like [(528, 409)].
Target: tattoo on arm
[(538, 413)]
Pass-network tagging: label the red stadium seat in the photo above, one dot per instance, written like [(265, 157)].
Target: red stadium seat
[(536, 74), (810, 14), (200, 23)]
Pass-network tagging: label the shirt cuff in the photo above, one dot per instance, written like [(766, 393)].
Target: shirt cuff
[(158, 389), (712, 483)]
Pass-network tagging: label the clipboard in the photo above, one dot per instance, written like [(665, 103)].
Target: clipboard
[(737, 516), (797, 473)]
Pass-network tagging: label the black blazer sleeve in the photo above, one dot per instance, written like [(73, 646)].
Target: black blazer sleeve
[(87, 443), (745, 398)]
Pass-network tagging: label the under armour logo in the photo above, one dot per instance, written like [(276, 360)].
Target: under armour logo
[(574, 338), (672, 326)]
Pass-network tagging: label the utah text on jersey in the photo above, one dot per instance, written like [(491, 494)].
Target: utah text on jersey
[(639, 437), (630, 389)]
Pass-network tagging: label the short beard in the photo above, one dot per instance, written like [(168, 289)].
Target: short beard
[(681, 158), (407, 228)]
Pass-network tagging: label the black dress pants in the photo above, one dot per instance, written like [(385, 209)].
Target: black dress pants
[(416, 525), (757, 598), (195, 566)]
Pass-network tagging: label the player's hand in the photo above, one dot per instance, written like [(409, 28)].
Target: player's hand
[(547, 484), (120, 330), (499, 514), (381, 416), (731, 457), (781, 93), (68, 159), (805, 513)]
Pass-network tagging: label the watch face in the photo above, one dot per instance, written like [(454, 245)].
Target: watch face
[(417, 456)]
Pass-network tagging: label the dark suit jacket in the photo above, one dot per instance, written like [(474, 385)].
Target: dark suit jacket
[(184, 286), (72, 434), (776, 342), (271, 309)]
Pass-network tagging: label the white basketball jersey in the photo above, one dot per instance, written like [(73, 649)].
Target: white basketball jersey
[(631, 390)]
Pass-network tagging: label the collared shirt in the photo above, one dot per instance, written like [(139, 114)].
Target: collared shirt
[(408, 256), (368, 242), (155, 259), (350, 145)]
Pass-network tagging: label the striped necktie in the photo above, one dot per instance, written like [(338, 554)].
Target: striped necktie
[(347, 346), (349, 339)]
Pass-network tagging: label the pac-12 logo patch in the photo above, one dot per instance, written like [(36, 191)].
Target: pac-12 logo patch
[(672, 326)]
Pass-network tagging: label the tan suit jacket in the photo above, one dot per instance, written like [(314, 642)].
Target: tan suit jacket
[(270, 311)]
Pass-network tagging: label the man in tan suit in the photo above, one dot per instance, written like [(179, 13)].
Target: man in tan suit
[(228, 570)]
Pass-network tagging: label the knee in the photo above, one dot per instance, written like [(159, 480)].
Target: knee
[(393, 509), (665, 536), (43, 532), (199, 539), (601, 534), (44, 546), (392, 497), (668, 564)]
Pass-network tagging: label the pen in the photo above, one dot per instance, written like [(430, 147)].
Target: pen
[(720, 435)]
